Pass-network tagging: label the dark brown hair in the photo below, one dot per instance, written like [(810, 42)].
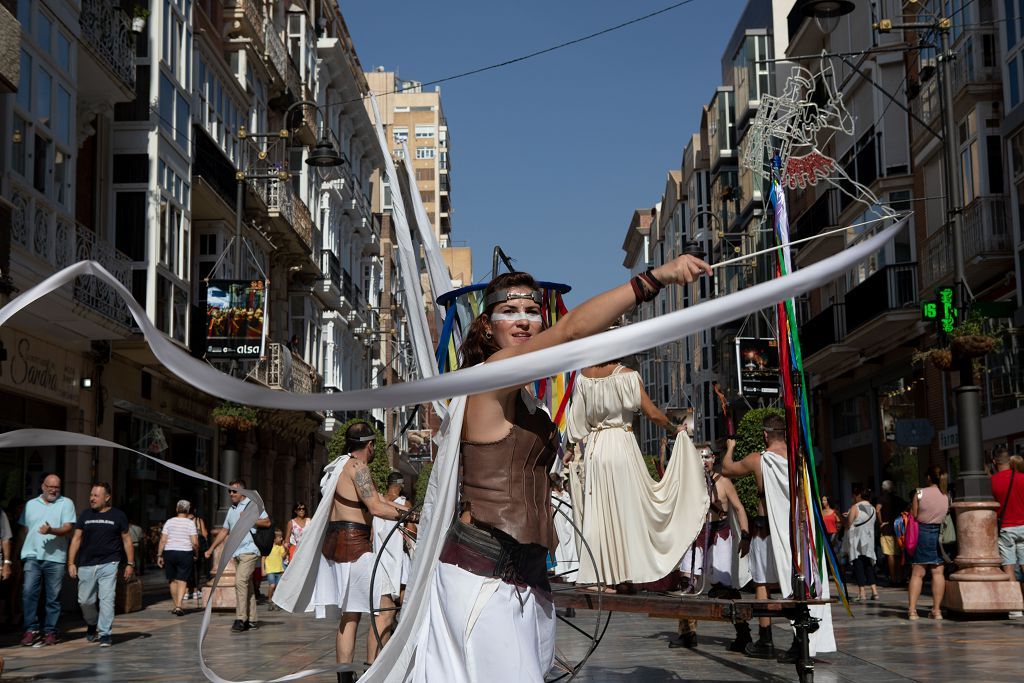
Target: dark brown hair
[(478, 346), (774, 423), (934, 474), (355, 435)]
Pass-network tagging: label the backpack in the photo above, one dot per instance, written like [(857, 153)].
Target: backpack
[(263, 538)]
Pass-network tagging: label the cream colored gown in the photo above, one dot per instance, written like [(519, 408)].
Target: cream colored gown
[(637, 528)]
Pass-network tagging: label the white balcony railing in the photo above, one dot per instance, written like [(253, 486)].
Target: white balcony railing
[(107, 33), (95, 293), (986, 234), (282, 369)]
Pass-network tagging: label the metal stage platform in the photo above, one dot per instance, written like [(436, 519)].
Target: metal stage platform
[(699, 607)]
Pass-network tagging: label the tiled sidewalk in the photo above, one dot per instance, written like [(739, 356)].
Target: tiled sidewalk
[(877, 645)]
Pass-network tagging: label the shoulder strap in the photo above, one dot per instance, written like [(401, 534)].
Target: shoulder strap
[(1002, 510), (871, 517)]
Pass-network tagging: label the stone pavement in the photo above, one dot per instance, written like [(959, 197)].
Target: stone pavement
[(878, 645)]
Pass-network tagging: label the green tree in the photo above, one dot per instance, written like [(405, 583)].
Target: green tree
[(750, 439), (380, 468), (421, 482)]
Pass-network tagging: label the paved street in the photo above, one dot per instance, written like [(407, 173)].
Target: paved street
[(879, 645)]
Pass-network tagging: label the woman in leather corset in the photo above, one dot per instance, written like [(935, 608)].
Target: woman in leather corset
[(492, 590)]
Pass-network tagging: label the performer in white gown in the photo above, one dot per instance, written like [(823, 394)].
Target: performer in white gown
[(490, 616), (392, 567), (637, 528)]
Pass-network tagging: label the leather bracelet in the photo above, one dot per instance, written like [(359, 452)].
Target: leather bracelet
[(638, 290), (648, 294), (649, 273)]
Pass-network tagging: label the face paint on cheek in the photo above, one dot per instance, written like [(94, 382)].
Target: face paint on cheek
[(518, 315)]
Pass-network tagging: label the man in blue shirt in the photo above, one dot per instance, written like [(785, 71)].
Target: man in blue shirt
[(101, 540), (247, 558), (47, 523)]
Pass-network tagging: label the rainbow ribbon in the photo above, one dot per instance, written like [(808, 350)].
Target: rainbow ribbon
[(814, 550)]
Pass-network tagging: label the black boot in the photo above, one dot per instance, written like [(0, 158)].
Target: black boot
[(791, 656), (764, 648), (742, 638), (346, 677)]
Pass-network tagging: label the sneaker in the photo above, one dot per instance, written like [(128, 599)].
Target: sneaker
[(1015, 614), (760, 650), (29, 637), (252, 625), (50, 639), (106, 641), (91, 634), (239, 626)]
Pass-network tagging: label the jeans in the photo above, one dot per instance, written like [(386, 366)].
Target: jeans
[(41, 575), (245, 591), (102, 579), (864, 571)]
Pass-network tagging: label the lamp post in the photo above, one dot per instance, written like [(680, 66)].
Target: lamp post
[(322, 155), (979, 585)]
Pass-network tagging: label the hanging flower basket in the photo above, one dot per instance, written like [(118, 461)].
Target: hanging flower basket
[(226, 421), (244, 425), (941, 359), (973, 345)]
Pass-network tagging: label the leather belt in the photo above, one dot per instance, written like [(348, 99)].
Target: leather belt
[(485, 552)]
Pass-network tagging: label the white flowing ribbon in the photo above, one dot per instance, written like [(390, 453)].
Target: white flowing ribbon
[(516, 371)]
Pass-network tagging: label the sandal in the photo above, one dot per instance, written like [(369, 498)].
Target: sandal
[(937, 616), (178, 612), (875, 596), (912, 615)]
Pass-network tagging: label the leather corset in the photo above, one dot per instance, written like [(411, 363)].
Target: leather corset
[(506, 482)]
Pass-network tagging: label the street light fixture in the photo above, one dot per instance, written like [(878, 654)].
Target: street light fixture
[(324, 155), (827, 13)]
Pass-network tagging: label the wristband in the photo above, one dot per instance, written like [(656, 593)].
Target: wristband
[(649, 276), (744, 535)]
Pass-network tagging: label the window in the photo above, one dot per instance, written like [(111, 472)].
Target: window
[(424, 132), (967, 136), (424, 174), (20, 148), (131, 168), (400, 135), (426, 196), (130, 224), (425, 152)]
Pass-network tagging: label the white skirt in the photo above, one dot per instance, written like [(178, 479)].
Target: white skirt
[(343, 587), (483, 629), (721, 562), (762, 561)]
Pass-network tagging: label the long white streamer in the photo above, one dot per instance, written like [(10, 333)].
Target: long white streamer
[(437, 269), (516, 371), (409, 265)]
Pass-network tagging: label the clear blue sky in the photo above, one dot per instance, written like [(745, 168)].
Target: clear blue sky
[(551, 156)]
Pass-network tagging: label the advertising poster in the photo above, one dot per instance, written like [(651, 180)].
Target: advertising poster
[(234, 318), (757, 363)]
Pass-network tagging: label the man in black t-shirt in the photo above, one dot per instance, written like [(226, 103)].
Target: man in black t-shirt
[(888, 508), (100, 542)]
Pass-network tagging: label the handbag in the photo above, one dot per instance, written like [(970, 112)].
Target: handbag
[(947, 533), (910, 538)]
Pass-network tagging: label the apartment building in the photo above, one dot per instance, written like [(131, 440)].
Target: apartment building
[(416, 118), (151, 147)]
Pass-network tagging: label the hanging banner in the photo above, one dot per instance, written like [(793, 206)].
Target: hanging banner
[(234, 318), (757, 366)]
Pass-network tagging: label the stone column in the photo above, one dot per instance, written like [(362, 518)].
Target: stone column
[(980, 585)]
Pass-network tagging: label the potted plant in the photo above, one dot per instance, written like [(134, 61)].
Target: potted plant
[(139, 15), (230, 415), (967, 341)]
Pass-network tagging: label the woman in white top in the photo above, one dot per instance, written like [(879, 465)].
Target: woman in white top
[(636, 528), (860, 541), (179, 543)]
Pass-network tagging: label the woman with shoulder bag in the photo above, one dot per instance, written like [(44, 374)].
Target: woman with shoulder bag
[(860, 541), (929, 507)]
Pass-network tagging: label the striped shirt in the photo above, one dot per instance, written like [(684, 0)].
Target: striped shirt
[(179, 531)]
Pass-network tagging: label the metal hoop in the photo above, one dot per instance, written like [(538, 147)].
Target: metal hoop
[(572, 670), (375, 611)]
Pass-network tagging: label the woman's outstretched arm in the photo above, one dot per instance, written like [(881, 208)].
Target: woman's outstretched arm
[(597, 314)]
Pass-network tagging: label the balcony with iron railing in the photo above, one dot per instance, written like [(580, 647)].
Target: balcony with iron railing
[(885, 299), (95, 293), (987, 244), (106, 35), (281, 369), (825, 329), (329, 288), (282, 69), (977, 62), (244, 19)]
